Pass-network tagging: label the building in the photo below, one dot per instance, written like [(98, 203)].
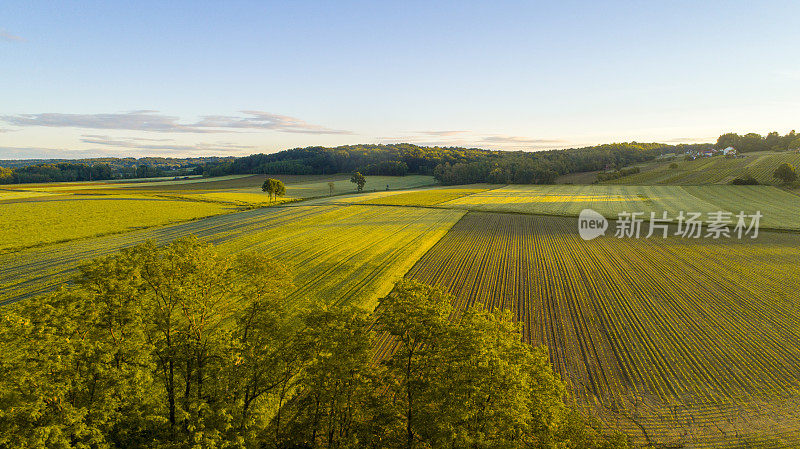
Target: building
[(729, 150)]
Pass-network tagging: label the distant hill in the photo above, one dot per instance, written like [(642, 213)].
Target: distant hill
[(711, 170), (449, 165)]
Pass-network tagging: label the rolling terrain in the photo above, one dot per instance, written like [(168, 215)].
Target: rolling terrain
[(711, 170), (674, 341)]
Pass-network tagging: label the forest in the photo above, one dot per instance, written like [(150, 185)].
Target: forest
[(449, 165), (97, 169), (756, 142)]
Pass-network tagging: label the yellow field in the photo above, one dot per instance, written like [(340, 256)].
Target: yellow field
[(780, 209), (428, 197), (352, 254), (24, 224), (19, 194), (37, 214)]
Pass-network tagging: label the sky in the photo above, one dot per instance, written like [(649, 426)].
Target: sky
[(113, 78)]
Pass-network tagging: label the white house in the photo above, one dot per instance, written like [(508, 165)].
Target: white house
[(729, 150)]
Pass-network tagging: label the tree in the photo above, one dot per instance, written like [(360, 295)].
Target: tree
[(174, 346), (330, 188), (359, 180), (274, 188), (416, 316), (336, 382), (745, 180), (785, 173), (728, 140), (468, 382), (6, 175)]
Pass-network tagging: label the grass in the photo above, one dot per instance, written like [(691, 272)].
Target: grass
[(10, 194), (25, 224), (40, 214), (428, 197), (697, 342), (239, 190), (351, 254), (712, 170), (781, 209)]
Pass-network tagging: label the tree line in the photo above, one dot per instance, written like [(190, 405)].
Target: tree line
[(20, 172), (179, 347), (449, 165), (756, 142)]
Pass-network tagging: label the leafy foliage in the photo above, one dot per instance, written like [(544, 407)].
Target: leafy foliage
[(746, 180), (450, 165), (359, 180), (618, 174), (785, 173), (274, 188), (756, 142), (30, 171), (178, 347)]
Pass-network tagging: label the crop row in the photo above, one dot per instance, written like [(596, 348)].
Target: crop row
[(336, 253), (713, 170), (681, 338), (780, 209)]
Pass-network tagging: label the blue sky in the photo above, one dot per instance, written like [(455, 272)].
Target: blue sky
[(200, 78)]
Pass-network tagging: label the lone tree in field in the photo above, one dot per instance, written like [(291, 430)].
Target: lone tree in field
[(786, 173), (359, 180), (274, 188), (330, 188)]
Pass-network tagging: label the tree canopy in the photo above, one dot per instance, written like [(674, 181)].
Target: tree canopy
[(756, 142), (785, 173), (180, 347), (274, 188), (359, 180), (97, 169)]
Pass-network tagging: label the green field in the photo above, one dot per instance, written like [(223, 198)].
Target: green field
[(692, 342), (781, 209), (242, 190), (37, 214), (429, 197), (337, 253), (25, 224), (711, 170)]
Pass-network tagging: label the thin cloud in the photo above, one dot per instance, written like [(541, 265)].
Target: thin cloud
[(149, 120), (7, 153), (265, 120), (6, 36), (443, 133), (144, 120), (691, 140), (469, 140), (144, 144), (516, 140), (142, 139)]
